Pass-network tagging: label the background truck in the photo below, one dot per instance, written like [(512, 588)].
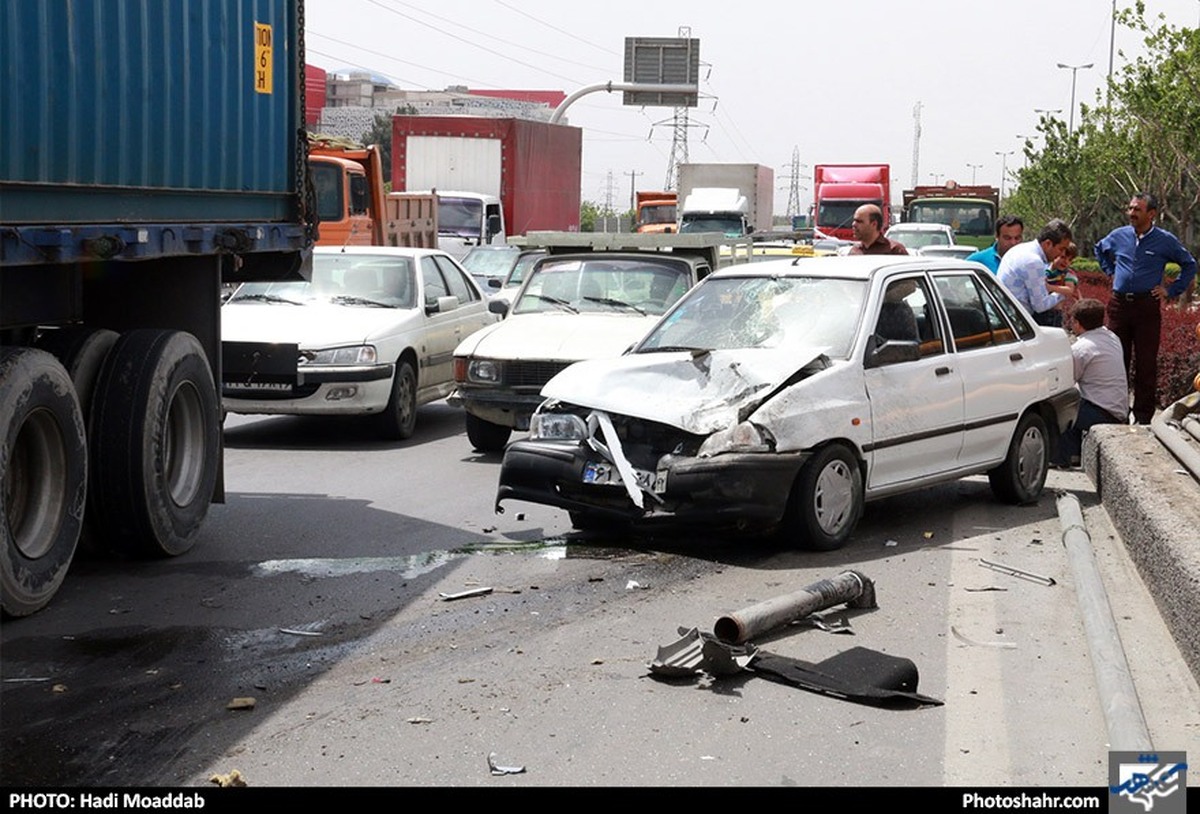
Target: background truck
[(969, 210), (839, 189), (115, 235), (656, 212), (505, 176), (753, 181), (354, 206)]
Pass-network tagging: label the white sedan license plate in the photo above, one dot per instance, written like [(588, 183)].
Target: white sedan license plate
[(601, 472)]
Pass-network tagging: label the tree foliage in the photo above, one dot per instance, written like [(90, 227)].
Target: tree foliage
[(1142, 136)]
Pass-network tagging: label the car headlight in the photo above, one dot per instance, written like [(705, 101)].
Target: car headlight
[(485, 371), (557, 427), (744, 437), (356, 355)]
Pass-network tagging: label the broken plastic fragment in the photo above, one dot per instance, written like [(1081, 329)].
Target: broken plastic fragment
[(465, 594), (497, 769), (245, 702)]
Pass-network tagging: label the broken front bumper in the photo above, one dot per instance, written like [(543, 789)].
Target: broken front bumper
[(744, 490)]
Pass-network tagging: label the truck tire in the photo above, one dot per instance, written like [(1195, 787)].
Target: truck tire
[(82, 351), (1020, 479), (486, 436), (399, 419), (155, 443), (43, 478)]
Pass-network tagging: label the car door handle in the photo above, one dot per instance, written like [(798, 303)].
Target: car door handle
[(941, 371), (1015, 357)]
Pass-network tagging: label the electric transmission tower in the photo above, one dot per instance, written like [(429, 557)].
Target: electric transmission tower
[(793, 204)]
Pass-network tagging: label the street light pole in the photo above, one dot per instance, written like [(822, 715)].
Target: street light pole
[(973, 168), (1004, 154), (1074, 69)]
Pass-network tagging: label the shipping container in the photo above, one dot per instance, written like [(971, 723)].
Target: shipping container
[(533, 167)]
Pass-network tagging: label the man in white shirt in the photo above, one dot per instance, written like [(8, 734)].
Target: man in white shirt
[(1023, 268), (1099, 375)]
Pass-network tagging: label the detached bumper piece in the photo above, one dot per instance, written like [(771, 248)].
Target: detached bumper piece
[(858, 674)]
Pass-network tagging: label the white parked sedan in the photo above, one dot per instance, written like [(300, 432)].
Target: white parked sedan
[(374, 332), (785, 394)]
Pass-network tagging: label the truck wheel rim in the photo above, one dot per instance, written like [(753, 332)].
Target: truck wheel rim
[(183, 455), (833, 497), (34, 494)]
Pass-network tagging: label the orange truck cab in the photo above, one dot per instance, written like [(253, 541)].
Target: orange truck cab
[(350, 194), (656, 212)]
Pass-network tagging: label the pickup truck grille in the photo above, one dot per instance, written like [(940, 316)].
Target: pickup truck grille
[(531, 374)]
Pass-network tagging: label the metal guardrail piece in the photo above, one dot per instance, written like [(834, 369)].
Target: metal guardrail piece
[(1167, 424)]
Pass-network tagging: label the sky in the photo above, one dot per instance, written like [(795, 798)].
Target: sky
[(814, 83)]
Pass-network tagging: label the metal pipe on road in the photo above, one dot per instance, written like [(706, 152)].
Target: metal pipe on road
[(851, 587), (1127, 730), (1164, 424)]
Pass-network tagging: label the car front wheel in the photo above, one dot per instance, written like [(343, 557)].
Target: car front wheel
[(1023, 474), (486, 436), (827, 500)]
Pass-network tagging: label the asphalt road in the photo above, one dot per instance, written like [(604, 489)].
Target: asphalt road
[(317, 591)]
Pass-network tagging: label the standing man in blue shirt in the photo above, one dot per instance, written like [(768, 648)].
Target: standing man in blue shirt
[(1136, 256), (1009, 231)]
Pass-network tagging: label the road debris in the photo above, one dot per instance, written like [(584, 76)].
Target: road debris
[(244, 702), (419, 720), (633, 585), (465, 594), (849, 587), (1017, 572), (858, 674), (974, 643), (234, 779), (497, 769), (294, 632)]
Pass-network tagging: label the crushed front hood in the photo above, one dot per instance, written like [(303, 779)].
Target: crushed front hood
[(698, 394)]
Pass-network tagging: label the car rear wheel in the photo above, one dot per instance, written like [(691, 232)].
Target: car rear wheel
[(827, 500), (1023, 474), (399, 419), (486, 436)]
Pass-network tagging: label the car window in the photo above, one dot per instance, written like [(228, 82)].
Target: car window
[(604, 285), (357, 280), (456, 280), (975, 321), (435, 286), (490, 262), (1024, 329), (522, 267), (907, 315)]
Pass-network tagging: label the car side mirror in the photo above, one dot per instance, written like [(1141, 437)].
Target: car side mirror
[(494, 282), (441, 305), (498, 307), (892, 351)]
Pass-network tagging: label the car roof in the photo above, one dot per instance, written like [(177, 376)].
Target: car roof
[(392, 251), (921, 227), (669, 257), (851, 267)]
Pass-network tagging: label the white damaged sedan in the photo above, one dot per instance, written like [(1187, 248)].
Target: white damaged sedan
[(373, 333), (783, 395)]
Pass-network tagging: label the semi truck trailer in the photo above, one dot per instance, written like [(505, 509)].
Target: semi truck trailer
[(145, 158)]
